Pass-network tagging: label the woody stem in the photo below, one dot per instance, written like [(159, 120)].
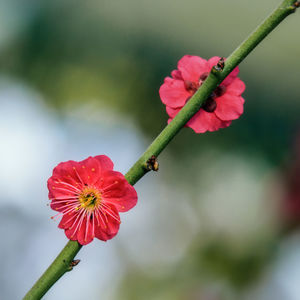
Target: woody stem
[(62, 262)]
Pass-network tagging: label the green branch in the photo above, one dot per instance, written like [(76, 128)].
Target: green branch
[(63, 262)]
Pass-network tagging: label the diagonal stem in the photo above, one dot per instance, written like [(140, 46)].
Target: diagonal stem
[(62, 263)]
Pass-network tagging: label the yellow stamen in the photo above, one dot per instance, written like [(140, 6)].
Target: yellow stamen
[(90, 198)]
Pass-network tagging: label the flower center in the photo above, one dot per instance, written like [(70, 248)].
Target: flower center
[(210, 105), (89, 198)]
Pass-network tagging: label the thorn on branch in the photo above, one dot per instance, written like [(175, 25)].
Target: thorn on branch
[(219, 66), (152, 164), (73, 263)]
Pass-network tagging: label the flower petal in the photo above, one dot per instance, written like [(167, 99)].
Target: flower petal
[(85, 233), (105, 162), (68, 220), (79, 227), (108, 226), (191, 67), (112, 184), (233, 75), (60, 188), (117, 191), (76, 173), (229, 107), (124, 203), (172, 112), (173, 93), (176, 75), (236, 87), (203, 121), (63, 172), (91, 169)]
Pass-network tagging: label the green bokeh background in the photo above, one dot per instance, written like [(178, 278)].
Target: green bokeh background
[(114, 55)]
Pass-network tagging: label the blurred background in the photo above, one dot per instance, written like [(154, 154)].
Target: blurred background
[(220, 220)]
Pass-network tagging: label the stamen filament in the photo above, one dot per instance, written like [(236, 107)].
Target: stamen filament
[(69, 185), (79, 222), (78, 176), (109, 186), (87, 225), (68, 205), (63, 189), (76, 218)]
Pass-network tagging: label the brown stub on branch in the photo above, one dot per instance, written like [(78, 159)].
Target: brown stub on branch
[(73, 263), (219, 66), (295, 6), (221, 63), (152, 164)]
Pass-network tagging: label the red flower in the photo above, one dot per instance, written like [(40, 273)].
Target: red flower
[(224, 105), (89, 196)]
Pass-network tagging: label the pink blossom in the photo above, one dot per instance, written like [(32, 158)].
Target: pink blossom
[(89, 196), (224, 105)]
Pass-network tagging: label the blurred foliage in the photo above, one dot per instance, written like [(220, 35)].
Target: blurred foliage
[(202, 268), (71, 53)]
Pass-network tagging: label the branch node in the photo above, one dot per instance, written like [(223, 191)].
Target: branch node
[(72, 264), (218, 68), (293, 7), (152, 164)]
